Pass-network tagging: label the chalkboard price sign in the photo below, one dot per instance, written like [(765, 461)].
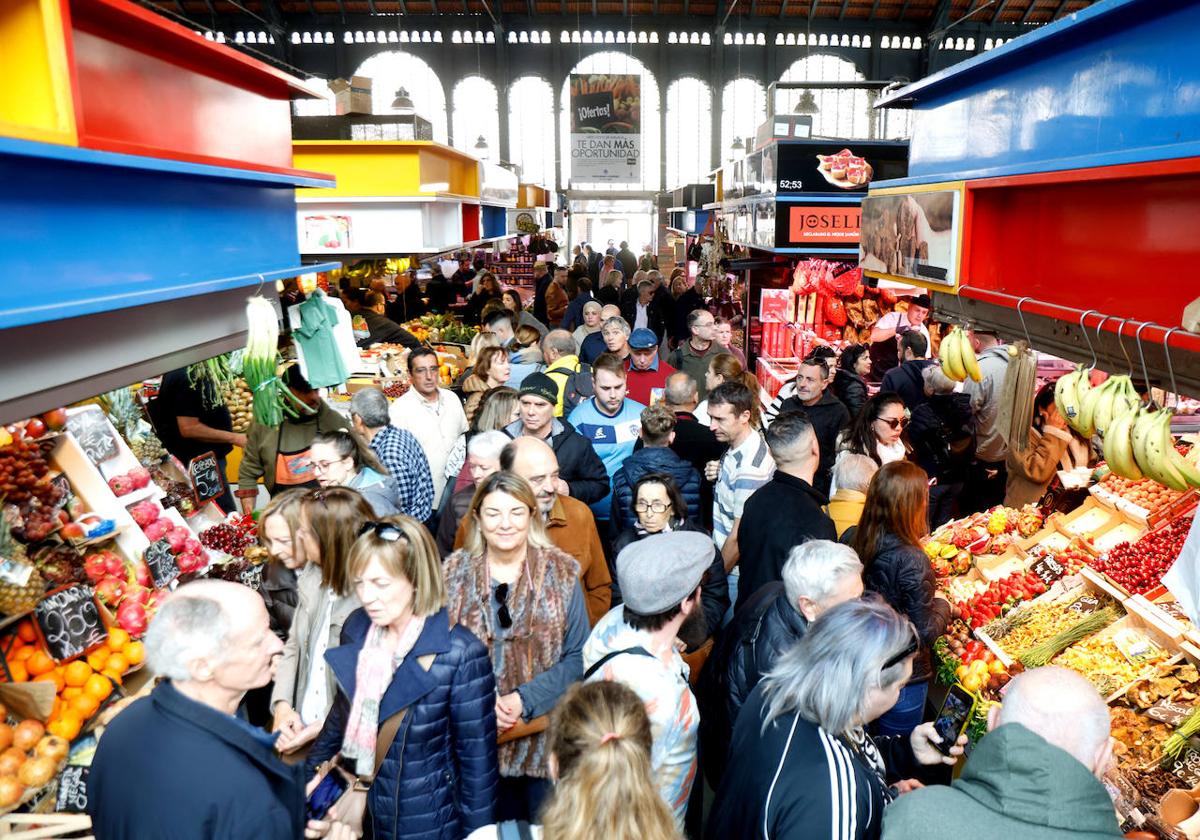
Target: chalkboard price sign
[(1169, 712), (1187, 768), (94, 433), (1048, 569), (72, 790), (70, 622), (161, 562), (1085, 604), (205, 474)]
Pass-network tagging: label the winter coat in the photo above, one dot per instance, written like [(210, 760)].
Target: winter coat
[(578, 463), (439, 777), (381, 491), (851, 389), (281, 596), (1030, 470), (845, 509), (901, 573), (942, 434), (828, 418), (556, 304), (745, 650), (1014, 785), (207, 775), (908, 381), (652, 459)]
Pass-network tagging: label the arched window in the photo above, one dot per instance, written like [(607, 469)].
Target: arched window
[(393, 70), (476, 114), (840, 113), (614, 62), (743, 109), (306, 107), (689, 132), (531, 130)]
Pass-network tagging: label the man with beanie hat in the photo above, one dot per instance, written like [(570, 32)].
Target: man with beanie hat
[(639, 643), (581, 472)]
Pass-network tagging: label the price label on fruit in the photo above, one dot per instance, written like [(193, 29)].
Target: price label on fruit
[(1048, 570), (72, 791), (1168, 712), (205, 475), (91, 428), (1085, 604), (70, 622), (161, 562)]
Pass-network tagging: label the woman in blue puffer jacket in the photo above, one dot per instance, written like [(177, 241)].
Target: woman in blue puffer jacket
[(400, 655)]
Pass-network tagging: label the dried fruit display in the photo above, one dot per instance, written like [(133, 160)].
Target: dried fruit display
[(1106, 662)]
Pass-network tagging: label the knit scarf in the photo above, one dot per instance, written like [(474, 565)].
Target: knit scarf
[(376, 665)]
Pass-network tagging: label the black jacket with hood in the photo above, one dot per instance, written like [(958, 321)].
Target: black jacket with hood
[(828, 418), (578, 463)]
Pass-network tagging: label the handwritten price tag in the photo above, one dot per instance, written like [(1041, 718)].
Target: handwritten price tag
[(205, 474), (1085, 604), (72, 790), (70, 622), (161, 563), (1169, 713), (1048, 569)]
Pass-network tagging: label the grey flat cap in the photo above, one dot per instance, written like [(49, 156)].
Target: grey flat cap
[(659, 571)]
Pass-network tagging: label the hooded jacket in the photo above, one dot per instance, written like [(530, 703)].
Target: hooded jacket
[(1015, 785), (578, 463), (828, 418), (908, 381), (652, 459)]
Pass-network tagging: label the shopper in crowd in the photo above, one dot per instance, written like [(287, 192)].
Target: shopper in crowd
[(541, 285), (659, 507), (483, 459), (906, 378), (572, 377), (405, 301), (817, 576), (568, 522), (397, 449), (635, 645), (1053, 727), (1051, 447), (487, 288), (279, 527), (595, 344), (654, 456), (434, 415), (889, 329), (687, 301), (641, 311), (694, 441), (627, 259), (801, 764), (191, 418), (478, 342), (582, 474), (492, 370), (852, 474), (526, 346), (556, 297), (647, 373), (403, 664), (521, 597), (723, 368), (987, 482), (609, 291), (383, 329), (600, 761), (693, 355), (209, 774), (746, 465), (497, 408), (574, 319), (942, 434), (877, 431), (342, 459), (511, 299), (888, 539), (765, 537), (590, 312), (724, 339), (849, 380), (280, 455), (814, 399), (615, 333), (610, 422), (304, 686)]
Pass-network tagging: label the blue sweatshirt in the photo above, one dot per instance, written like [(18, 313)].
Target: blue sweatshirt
[(613, 438)]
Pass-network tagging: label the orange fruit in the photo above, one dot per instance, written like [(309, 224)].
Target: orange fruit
[(51, 677), (39, 663), (118, 662), (67, 726), (115, 676), (23, 653), (135, 652), (71, 692), (85, 705), (98, 686), (77, 672), (97, 658), (117, 638), (25, 631), (18, 671)]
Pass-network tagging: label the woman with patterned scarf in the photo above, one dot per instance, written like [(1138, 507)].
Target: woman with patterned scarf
[(520, 595)]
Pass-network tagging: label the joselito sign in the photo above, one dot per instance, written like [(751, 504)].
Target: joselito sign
[(606, 129), (824, 224)]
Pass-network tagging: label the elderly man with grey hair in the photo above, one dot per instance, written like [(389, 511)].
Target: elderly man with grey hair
[(1034, 776), (208, 773), (483, 459), (397, 449), (817, 576)]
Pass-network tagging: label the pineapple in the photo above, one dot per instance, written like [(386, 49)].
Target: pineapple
[(998, 522), (15, 599)]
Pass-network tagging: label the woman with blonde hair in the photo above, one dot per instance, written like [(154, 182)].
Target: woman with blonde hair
[(492, 369), (413, 687), (521, 597), (600, 762), (722, 368), (278, 533)]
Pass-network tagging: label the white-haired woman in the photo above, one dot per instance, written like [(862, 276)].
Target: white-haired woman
[(801, 762), (483, 459)]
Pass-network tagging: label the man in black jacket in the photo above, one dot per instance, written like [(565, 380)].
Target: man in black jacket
[(818, 575), (382, 327), (906, 380), (694, 442), (824, 411), (687, 300), (784, 512), (627, 259)]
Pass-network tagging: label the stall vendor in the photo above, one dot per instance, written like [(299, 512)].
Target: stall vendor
[(885, 335)]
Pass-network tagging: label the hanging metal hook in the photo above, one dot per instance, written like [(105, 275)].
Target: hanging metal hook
[(1121, 344), (1170, 367), (1086, 337), (1142, 355), (262, 281), (961, 309), (1024, 328)]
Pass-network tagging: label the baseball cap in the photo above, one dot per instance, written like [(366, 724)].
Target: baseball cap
[(642, 339), (659, 571)]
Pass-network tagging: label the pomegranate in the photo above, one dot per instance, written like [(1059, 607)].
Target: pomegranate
[(157, 529), (144, 513), (177, 538), (140, 476)]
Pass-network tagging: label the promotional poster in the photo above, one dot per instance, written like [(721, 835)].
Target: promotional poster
[(911, 236), (606, 126)]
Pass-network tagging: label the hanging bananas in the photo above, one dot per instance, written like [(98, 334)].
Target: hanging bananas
[(957, 357), (1069, 392)]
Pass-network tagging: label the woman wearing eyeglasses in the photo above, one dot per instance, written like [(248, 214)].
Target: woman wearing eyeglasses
[(520, 595), (343, 459), (304, 686), (888, 541), (659, 507), (801, 762), (414, 687)]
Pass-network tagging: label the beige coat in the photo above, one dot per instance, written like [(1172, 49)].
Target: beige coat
[(1031, 470), (291, 674)]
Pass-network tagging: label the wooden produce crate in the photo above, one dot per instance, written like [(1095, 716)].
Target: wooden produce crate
[(994, 567), (1121, 528), (1159, 635), (45, 826), (1085, 521)]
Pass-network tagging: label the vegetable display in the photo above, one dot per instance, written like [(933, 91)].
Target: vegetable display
[(261, 368), (1043, 652)]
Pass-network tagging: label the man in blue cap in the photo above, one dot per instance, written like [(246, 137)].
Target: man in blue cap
[(647, 374)]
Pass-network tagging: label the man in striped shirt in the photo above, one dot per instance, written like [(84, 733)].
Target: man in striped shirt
[(746, 466)]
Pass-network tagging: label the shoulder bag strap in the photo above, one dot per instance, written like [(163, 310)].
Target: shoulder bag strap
[(391, 726), (596, 666)]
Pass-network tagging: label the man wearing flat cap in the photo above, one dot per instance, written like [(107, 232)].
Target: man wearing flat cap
[(639, 644)]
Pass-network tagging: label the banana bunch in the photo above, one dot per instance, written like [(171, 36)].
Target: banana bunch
[(1069, 393), (1139, 444), (958, 356), (1100, 406)]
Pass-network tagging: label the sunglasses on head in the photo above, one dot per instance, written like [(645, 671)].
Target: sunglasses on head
[(913, 646), (502, 614), (893, 422), (383, 530)]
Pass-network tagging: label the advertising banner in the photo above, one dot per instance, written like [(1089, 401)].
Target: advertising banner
[(912, 237), (606, 126), (823, 224)]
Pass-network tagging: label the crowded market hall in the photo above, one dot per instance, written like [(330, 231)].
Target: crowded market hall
[(640, 420)]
